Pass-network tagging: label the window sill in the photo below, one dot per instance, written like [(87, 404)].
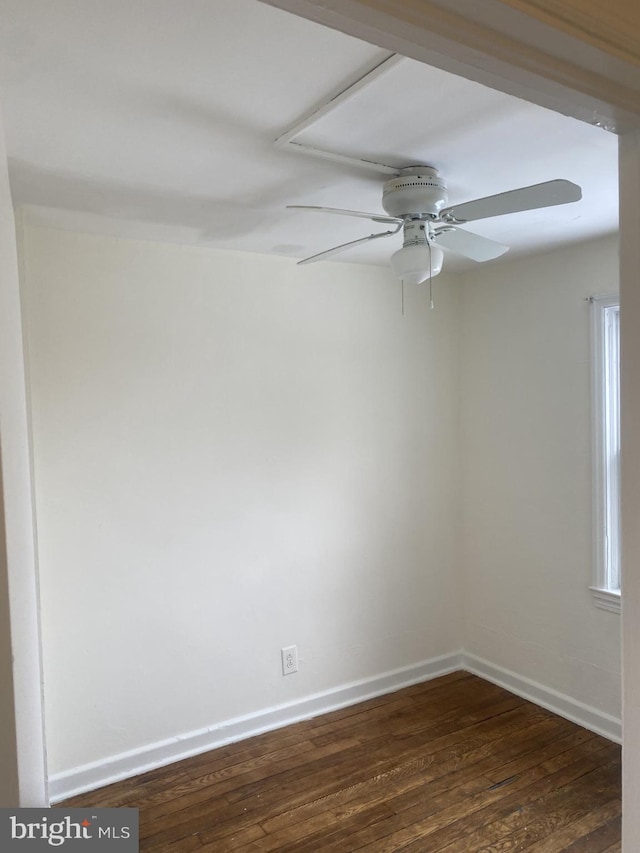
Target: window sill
[(605, 599)]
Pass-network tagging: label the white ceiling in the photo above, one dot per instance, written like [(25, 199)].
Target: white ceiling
[(156, 119)]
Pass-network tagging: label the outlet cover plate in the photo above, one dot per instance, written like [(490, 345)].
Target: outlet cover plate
[(289, 660)]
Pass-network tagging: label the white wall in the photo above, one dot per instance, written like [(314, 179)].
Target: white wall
[(232, 454), (9, 795), (22, 753), (630, 436), (526, 461)]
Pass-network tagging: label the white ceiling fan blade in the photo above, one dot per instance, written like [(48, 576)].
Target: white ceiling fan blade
[(374, 217), (341, 248), (470, 245), (547, 194)]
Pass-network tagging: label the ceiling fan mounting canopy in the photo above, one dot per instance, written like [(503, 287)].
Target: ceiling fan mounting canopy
[(417, 192)]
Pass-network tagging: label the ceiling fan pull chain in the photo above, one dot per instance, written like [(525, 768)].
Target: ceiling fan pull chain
[(431, 306)]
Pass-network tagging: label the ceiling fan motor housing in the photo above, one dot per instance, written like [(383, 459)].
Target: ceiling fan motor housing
[(418, 191)]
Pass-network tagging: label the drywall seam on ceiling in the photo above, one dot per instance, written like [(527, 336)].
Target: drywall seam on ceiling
[(287, 139)]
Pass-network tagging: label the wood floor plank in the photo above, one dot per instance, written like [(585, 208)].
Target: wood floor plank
[(129, 791), (601, 838), (450, 819), (458, 835), (402, 791), (537, 821), (375, 772), (190, 844), (591, 833), (453, 765)]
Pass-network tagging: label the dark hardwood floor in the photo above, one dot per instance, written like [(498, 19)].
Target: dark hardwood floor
[(456, 765)]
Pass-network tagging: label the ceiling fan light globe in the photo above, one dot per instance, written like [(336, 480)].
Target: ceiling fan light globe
[(414, 264)]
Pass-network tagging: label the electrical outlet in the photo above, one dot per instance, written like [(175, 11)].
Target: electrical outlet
[(289, 660)]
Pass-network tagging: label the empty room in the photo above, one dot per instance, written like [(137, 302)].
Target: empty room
[(321, 346)]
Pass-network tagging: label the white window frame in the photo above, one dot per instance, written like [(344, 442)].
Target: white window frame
[(605, 361)]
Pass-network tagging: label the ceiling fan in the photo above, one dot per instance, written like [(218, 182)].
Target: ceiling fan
[(415, 201)]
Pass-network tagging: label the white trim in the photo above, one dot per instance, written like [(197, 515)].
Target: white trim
[(513, 53), (88, 777), (629, 171), (605, 599), (288, 138), (19, 562), (605, 581), (571, 709)]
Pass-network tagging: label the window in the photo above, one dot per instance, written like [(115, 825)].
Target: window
[(606, 447)]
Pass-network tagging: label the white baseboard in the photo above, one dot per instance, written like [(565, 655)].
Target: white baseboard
[(91, 776), (561, 704)]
